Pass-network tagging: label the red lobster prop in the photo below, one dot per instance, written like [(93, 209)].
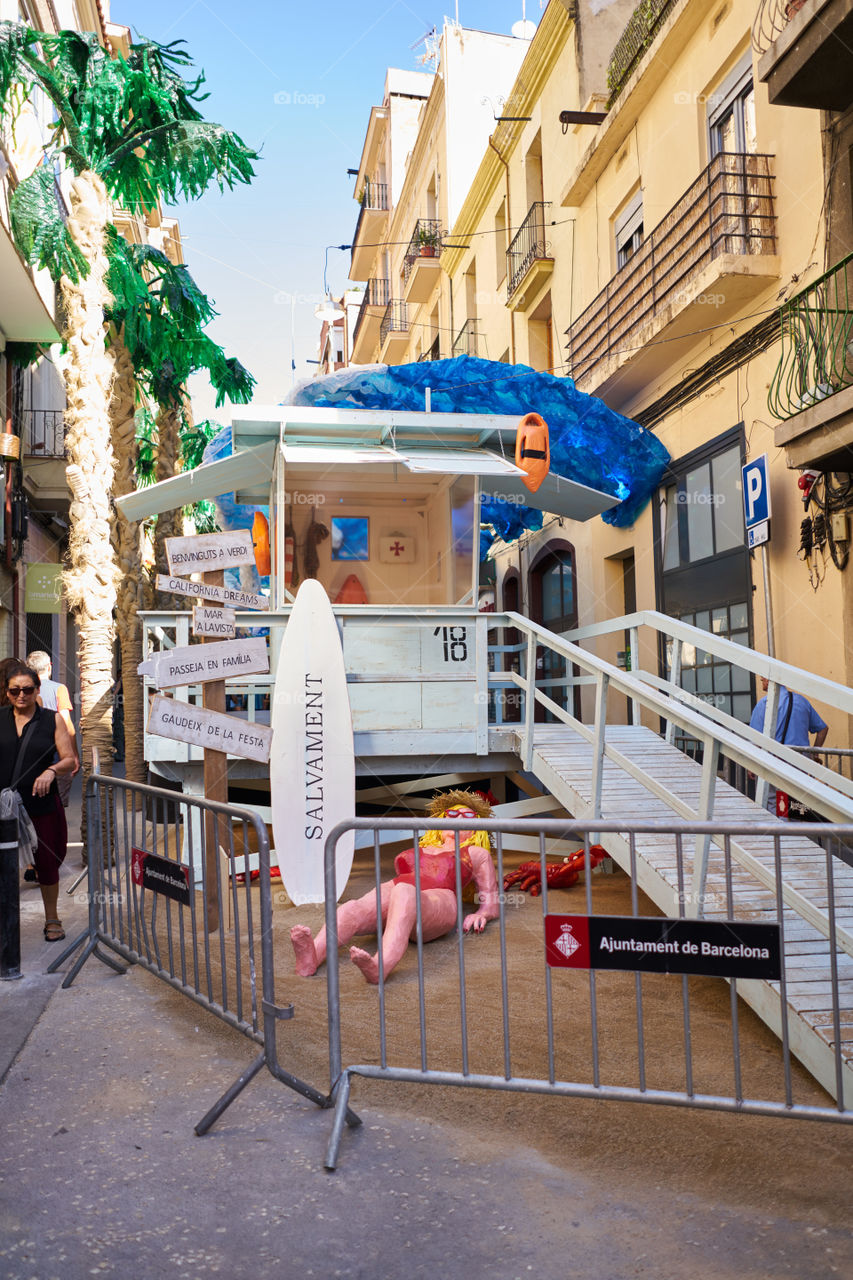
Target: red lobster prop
[(558, 875)]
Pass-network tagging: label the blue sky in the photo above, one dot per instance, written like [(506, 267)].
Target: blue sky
[(255, 248)]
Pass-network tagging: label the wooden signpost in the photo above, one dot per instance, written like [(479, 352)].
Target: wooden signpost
[(210, 554)]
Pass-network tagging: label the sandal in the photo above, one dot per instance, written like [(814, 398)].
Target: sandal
[(53, 931)]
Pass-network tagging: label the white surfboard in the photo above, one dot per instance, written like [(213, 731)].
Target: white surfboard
[(312, 768)]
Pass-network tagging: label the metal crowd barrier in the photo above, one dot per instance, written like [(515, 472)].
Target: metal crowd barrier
[(164, 894), (562, 1020)]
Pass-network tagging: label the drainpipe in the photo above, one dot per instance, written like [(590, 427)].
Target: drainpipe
[(509, 225)]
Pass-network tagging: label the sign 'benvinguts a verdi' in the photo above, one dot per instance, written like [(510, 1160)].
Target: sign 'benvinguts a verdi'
[(204, 552)]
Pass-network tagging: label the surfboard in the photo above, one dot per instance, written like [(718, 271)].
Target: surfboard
[(312, 767)]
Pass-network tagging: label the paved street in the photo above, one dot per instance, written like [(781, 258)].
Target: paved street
[(102, 1174)]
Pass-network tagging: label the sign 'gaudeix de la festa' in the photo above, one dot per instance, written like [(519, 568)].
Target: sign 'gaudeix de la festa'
[(197, 663), (209, 621), (206, 591), (205, 552), (203, 728)]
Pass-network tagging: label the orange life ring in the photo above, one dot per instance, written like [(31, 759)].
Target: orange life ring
[(352, 592), (532, 451), (261, 543)]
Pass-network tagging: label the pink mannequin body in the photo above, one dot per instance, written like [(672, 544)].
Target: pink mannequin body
[(398, 905)]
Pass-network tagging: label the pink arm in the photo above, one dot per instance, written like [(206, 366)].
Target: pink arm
[(487, 890)]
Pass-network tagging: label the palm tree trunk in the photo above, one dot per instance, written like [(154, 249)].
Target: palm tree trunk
[(127, 544), (170, 524), (91, 572)]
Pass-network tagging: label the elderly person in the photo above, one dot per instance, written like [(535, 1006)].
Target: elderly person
[(55, 697), (398, 897), (35, 750)]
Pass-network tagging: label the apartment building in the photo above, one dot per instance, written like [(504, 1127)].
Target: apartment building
[(420, 154), (643, 225), (33, 613)]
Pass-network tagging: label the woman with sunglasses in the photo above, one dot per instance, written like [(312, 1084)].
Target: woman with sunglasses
[(398, 901), (35, 749)]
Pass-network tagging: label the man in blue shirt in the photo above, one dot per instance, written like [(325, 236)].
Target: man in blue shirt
[(796, 720)]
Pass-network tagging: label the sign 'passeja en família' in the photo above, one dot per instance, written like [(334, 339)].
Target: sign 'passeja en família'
[(197, 663)]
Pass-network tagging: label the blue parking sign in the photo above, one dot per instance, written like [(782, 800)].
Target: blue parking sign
[(756, 492)]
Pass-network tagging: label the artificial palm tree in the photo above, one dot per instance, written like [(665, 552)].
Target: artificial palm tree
[(129, 130), (157, 316)]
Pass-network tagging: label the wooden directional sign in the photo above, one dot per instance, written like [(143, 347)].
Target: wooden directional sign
[(219, 624), (195, 663), (207, 591), (209, 729), (206, 551)]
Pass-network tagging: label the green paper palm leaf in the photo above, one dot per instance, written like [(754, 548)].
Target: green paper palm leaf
[(40, 230)]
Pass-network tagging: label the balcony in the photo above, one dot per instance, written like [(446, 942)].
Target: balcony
[(370, 229), (805, 50), (369, 320), (811, 392), (528, 264), (465, 342), (433, 351), (394, 331), (643, 26), (707, 258), (421, 267), (43, 432)]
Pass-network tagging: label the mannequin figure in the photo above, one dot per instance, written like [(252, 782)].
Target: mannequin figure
[(398, 897)]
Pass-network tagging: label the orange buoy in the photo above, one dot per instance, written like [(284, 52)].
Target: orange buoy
[(261, 543), (352, 592), (532, 451)]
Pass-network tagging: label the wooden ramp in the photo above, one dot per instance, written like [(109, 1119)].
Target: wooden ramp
[(656, 782)]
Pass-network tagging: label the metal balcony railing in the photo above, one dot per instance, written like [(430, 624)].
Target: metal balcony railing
[(425, 243), (643, 26), (374, 200), (771, 20), (433, 351), (376, 294), (816, 359), (395, 319), (44, 433), (527, 245), (729, 209), (465, 342)]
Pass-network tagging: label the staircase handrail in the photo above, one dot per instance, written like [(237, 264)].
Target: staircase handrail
[(778, 772), (807, 683)]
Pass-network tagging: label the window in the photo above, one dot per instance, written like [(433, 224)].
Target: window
[(731, 112), (628, 230), (704, 511), (553, 600)]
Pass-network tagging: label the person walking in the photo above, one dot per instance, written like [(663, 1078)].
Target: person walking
[(796, 721), (36, 750), (55, 697)]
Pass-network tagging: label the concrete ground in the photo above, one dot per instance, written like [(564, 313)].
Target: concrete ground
[(102, 1174)]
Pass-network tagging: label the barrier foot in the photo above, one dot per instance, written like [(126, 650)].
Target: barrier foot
[(91, 948), (207, 1122), (306, 1090), (342, 1112)]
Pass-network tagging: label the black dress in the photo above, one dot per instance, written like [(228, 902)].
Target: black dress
[(21, 761)]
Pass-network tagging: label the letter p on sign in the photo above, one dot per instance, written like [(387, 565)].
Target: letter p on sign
[(756, 492)]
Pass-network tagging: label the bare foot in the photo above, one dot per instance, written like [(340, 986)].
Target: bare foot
[(303, 948), (367, 963)]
